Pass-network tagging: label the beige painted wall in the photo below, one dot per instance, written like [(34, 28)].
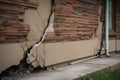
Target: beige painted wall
[(37, 19), (118, 45), (11, 54), (114, 45), (49, 53), (65, 51)]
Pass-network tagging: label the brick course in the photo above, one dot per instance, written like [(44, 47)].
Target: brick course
[(74, 20), (12, 28), (118, 18)]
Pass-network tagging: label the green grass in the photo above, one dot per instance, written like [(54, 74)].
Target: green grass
[(112, 74)]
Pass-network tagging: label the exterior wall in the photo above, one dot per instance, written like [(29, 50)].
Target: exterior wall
[(65, 51), (78, 27), (64, 47), (114, 45), (74, 20), (118, 45), (118, 18), (12, 53), (37, 19), (12, 28)]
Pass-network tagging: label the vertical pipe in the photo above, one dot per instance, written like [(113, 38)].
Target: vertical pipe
[(107, 15)]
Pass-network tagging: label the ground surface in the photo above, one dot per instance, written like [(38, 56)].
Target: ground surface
[(76, 70), (110, 74)]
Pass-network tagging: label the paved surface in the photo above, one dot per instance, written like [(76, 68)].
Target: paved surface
[(76, 70)]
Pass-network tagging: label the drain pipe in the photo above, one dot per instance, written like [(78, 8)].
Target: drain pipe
[(107, 27)]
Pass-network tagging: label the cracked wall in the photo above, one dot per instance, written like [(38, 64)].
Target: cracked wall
[(12, 53), (54, 51), (74, 21), (47, 54)]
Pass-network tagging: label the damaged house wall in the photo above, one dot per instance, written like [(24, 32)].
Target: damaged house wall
[(74, 21), (12, 52), (75, 26), (75, 33), (72, 36)]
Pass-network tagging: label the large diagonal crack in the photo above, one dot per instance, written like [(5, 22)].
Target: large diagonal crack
[(30, 50), (24, 66)]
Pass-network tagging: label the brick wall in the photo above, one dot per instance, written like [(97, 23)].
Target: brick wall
[(74, 20), (12, 27), (118, 18)]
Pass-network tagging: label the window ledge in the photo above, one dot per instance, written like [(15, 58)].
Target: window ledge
[(112, 33)]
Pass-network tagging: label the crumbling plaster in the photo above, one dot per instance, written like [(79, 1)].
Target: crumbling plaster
[(47, 53)]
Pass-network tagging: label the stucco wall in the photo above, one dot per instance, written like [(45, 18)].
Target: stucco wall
[(65, 51), (48, 53), (114, 45), (37, 19), (11, 54)]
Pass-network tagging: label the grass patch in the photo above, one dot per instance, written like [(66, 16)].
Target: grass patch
[(110, 74)]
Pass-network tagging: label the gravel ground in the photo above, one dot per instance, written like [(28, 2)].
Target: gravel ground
[(17, 72), (13, 73)]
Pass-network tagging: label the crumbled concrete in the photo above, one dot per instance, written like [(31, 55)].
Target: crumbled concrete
[(76, 70)]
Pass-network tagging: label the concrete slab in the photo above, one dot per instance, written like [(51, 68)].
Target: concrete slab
[(71, 72)]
